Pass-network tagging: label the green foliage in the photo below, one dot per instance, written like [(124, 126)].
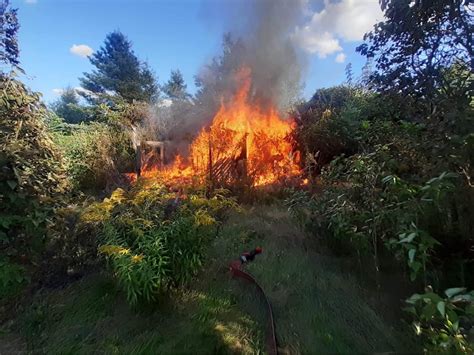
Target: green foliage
[(322, 132), (345, 120), (441, 319), (416, 41), (12, 278), (154, 240), (175, 88), (32, 175), (118, 72), (9, 26), (95, 154), (212, 82), (365, 208), (68, 107), (394, 184)]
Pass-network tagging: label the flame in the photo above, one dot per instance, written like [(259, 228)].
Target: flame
[(245, 141)]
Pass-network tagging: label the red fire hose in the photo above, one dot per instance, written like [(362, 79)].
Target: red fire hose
[(236, 271)]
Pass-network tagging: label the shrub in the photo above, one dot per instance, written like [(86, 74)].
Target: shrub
[(95, 154), (391, 186), (32, 181), (444, 320), (153, 240)]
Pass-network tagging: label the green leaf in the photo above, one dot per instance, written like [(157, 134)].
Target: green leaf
[(409, 238), (462, 298), (470, 309), (414, 298), (411, 254), (429, 311), (452, 316), (441, 306), (431, 297), (450, 292), (12, 184)]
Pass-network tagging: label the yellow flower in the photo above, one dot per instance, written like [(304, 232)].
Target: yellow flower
[(202, 218), (137, 258), (113, 249), (124, 251)]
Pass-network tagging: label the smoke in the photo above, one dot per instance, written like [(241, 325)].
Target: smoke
[(271, 54), (258, 37), (262, 30)]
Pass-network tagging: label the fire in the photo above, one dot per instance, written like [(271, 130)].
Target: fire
[(245, 142)]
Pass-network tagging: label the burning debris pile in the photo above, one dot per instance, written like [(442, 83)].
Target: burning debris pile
[(245, 143), (240, 136)]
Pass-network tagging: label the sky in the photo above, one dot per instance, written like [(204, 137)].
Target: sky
[(56, 36)]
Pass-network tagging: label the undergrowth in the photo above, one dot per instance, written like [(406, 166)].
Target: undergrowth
[(154, 240)]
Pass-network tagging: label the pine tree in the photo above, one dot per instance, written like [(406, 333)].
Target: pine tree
[(9, 26), (69, 108), (349, 74), (119, 72), (175, 88)]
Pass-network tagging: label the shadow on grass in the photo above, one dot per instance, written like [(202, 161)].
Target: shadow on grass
[(91, 316), (318, 308)]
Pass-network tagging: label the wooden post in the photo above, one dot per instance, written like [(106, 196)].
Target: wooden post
[(138, 160), (211, 175), (244, 155), (162, 154)]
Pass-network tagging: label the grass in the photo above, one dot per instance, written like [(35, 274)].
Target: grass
[(91, 316), (317, 307)]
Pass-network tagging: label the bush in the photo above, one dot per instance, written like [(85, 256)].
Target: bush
[(32, 181), (443, 320), (154, 240), (96, 154), (378, 199), (394, 188)]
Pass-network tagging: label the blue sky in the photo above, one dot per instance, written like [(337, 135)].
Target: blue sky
[(179, 34)]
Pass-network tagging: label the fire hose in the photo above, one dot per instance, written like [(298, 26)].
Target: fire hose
[(236, 271)]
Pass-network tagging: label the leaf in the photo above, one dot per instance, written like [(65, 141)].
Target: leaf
[(411, 254), (434, 297), (452, 316), (414, 298), (12, 184), (462, 298), (470, 310), (409, 238), (450, 292), (441, 306), (429, 311)]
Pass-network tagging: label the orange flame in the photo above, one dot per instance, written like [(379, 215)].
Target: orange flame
[(245, 140)]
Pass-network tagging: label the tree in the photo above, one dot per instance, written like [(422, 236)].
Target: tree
[(9, 27), (349, 74), (69, 108), (416, 42), (118, 72), (217, 77), (175, 88)]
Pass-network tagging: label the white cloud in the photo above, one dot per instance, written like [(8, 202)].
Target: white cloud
[(82, 50), (323, 44), (77, 89), (31, 1), (80, 89), (345, 20), (340, 58)]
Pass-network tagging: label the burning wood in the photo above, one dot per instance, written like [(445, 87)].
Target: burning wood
[(246, 143)]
